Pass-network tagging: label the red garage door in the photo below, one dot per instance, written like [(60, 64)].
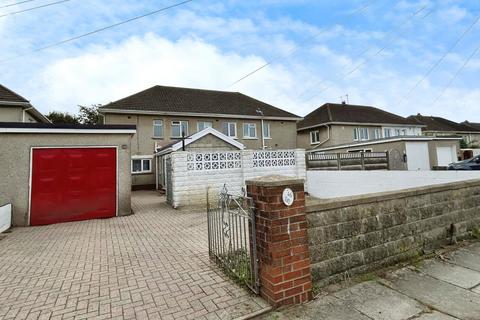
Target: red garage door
[(72, 184)]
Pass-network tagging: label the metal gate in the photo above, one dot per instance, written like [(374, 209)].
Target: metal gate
[(231, 237), (168, 180)]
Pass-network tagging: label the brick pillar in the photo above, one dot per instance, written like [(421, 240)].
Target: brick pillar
[(282, 240)]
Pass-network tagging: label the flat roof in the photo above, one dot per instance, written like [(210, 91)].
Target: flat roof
[(26, 127), (383, 140)]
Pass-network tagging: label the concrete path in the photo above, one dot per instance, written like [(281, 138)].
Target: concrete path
[(437, 290), (151, 265)]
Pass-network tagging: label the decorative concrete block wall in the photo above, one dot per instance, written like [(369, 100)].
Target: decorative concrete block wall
[(354, 235), (196, 172)]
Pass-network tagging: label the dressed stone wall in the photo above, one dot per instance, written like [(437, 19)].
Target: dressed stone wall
[(193, 173), (354, 235)]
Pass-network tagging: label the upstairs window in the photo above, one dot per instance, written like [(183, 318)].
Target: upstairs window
[(266, 130), (201, 125), (377, 133), (387, 133), (229, 129), (249, 131), (314, 137), (158, 128), (179, 129), (360, 134)]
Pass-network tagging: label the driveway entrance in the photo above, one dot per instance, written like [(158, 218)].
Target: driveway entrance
[(153, 264)]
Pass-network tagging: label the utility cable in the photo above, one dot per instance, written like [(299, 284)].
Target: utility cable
[(377, 53), (33, 8), (15, 4), (296, 48), (95, 31), (439, 61)]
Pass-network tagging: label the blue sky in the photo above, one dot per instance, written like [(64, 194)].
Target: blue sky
[(377, 52)]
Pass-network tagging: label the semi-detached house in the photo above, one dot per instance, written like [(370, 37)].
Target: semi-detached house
[(164, 114), (336, 124)]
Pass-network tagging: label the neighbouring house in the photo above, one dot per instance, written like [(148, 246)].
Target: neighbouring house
[(15, 108), (163, 115), (437, 126), (473, 125), (53, 173), (335, 124)]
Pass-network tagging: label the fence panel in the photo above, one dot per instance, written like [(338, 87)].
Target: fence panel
[(348, 161)]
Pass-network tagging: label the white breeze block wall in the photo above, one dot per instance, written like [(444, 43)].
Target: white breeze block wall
[(336, 184), (196, 172)]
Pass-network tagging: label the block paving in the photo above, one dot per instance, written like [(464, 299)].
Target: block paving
[(150, 265)]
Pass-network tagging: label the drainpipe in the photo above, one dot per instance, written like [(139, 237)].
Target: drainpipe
[(23, 113), (260, 112), (328, 136)]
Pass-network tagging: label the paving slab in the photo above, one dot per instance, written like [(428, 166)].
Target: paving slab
[(434, 315), (439, 295), (325, 308), (379, 302), (465, 258), (451, 273), (474, 247)]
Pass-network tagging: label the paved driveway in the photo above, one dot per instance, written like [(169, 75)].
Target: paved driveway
[(153, 264), (438, 289)]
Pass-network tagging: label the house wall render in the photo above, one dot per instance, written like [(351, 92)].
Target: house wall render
[(360, 234)]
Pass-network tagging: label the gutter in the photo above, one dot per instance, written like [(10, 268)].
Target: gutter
[(193, 114)]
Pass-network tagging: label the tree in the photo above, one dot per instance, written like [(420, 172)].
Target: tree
[(89, 115), (62, 117)]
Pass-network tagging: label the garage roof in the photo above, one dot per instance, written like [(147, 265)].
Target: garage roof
[(21, 127)]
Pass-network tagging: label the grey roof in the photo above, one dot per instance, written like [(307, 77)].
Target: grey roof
[(474, 125), (185, 100), (10, 96), (347, 113), (442, 124)]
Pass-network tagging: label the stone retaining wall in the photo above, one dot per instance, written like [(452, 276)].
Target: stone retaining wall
[(354, 235)]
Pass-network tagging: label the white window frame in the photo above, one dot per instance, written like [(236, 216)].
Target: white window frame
[(143, 160), (359, 150), (361, 134), (158, 125), (387, 132), (176, 123), (204, 127), (228, 133), (266, 127), (249, 126), (315, 137), (377, 134)]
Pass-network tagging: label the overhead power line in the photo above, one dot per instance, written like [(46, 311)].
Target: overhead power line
[(96, 31), (296, 48), (455, 76), (439, 61), (33, 8), (377, 53), (15, 4)]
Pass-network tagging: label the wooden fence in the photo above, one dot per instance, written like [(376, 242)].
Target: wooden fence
[(348, 161)]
